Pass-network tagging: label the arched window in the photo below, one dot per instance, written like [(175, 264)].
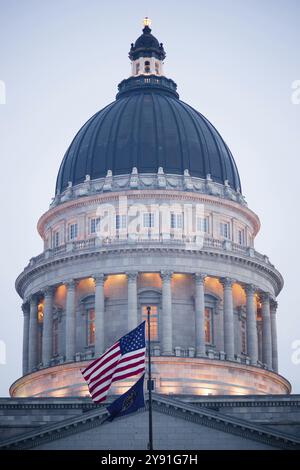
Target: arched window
[(157, 68), (147, 66)]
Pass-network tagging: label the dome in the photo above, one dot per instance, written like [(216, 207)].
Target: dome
[(147, 127), (147, 46)]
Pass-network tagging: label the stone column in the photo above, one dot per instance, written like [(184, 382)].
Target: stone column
[(274, 335), (252, 334), (26, 313), (228, 319), (167, 330), (132, 300), (200, 315), (99, 313), (266, 331), (70, 320), (47, 327), (33, 334)]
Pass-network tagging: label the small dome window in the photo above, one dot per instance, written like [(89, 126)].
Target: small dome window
[(147, 66)]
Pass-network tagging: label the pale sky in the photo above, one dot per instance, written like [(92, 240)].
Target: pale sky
[(234, 61)]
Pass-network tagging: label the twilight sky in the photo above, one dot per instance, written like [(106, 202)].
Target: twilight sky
[(234, 61)]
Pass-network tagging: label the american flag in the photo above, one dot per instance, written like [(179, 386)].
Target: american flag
[(125, 358)]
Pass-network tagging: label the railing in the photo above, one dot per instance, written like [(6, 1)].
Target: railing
[(187, 243)]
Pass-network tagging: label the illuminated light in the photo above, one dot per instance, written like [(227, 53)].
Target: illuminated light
[(238, 294), (147, 21), (40, 312)]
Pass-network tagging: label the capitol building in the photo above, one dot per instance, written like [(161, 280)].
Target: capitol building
[(149, 210)]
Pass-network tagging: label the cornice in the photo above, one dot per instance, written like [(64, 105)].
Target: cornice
[(161, 404), (31, 273), (147, 194)]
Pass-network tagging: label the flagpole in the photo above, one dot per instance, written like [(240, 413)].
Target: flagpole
[(149, 381)]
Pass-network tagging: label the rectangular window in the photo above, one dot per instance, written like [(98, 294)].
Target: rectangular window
[(208, 325), (244, 336), (73, 231), (94, 224), (203, 224), (176, 220), (148, 220), (55, 337), (91, 326), (241, 237), (225, 229), (153, 321), (55, 239), (121, 222)]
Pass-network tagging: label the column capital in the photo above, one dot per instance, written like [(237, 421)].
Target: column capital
[(273, 306), (99, 278), (265, 297), (33, 299), (70, 283), (48, 291), (166, 275), (25, 308), (226, 282), (250, 289), (132, 275), (200, 278)]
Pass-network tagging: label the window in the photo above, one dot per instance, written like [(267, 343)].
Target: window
[(94, 224), (203, 224), (137, 68), (225, 229), (121, 221), (157, 68), (243, 336), (148, 220), (208, 325), (147, 66), (55, 239), (90, 326), (55, 337), (153, 321), (241, 237), (176, 220), (73, 231)]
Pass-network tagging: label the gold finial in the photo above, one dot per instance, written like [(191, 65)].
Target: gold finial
[(147, 21)]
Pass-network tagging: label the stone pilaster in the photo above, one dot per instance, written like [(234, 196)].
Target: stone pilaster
[(132, 300), (47, 327), (274, 335), (33, 334), (266, 330), (200, 315), (252, 334), (99, 313), (167, 330), (26, 313), (228, 318), (70, 320)]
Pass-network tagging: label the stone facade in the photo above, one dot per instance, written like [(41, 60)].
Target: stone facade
[(180, 423)]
